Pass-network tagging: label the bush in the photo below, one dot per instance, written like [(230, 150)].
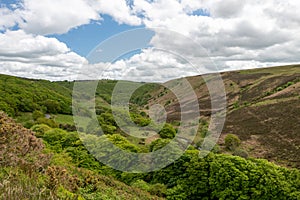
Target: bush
[(68, 127), (60, 139), (19, 146), (158, 189), (48, 122), (167, 131), (37, 114), (141, 185), (28, 124), (158, 144), (240, 152), (7, 109), (40, 129), (232, 142), (209, 145)]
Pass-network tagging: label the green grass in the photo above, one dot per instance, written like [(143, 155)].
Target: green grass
[(64, 119), (69, 119), (290, 69), (24, 117), (274, 101)]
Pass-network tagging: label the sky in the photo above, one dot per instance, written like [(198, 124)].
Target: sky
[(54, 39)]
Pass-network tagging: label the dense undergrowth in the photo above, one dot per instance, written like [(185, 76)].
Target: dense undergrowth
[(64, 169), (29, 170)]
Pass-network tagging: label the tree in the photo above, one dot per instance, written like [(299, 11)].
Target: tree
[(167, 131), (37, 114), (240, 152), (158, 144), (48, 122), (232, 142), (40, 129), (6, 108), (52, 106)]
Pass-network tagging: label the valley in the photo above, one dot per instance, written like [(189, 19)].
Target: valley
[(256, 157)]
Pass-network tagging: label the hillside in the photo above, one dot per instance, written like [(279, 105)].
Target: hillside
[(26, 95), (262, 106), (29, 170), (262, 112), (263, 109), (18, 95)]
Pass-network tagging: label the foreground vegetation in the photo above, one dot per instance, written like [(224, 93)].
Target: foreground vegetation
[(29, 170), (61, 168)]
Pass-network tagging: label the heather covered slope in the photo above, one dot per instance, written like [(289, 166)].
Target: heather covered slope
[(263, 109)]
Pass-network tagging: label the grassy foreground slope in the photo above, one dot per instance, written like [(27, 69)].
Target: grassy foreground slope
[(28, 170)]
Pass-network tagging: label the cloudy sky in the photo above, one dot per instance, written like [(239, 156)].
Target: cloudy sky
[(52, 39)]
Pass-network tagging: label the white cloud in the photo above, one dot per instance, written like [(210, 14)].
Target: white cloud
[(56, 16), (59, 16), (151, 65), (236, 34), (33, 56), (8, 18), (119, 10), (239, 32), (222, 9)]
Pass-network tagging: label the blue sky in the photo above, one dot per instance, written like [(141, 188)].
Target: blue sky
[(51, 39), (83, 39)]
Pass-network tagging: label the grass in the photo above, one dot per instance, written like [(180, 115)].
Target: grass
[(64, 119), (273, 101), (24, 117), (289, 69)]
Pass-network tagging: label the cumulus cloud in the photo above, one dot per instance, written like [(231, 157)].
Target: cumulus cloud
[(151, 65), (55, 16), (8, 18), (222, 9), (58, 17), (34, 56), (234, 34), (119, 10)]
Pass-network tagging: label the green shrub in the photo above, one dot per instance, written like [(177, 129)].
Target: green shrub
[(141, 184), (158, 189), (208, 145), (48, 122), (7, 108), (232, 142), (241, 152), (28, 124), (167, 131), (37, 114), (60, 139), (40, 129), (158, 144), (123, 143), (279, 89)]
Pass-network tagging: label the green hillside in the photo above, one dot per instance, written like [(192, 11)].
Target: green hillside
[(25, 95), (47, 159)]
